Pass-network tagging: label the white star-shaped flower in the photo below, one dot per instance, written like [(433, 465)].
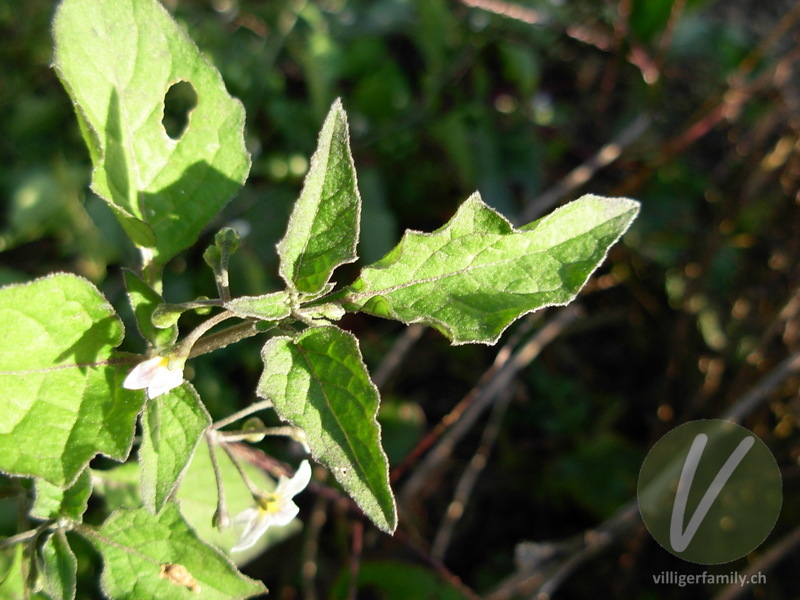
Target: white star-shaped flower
[(276, 508), (158, 375)]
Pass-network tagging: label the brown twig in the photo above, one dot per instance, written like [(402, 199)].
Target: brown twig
[(583, 173), (482, 397), (432, 436), (769, 559), (726, 106), (592, 36), (470, 477), (355, 558), (397, 353), (544, 579), (509, 10), (609, 80), (750, 401), (274, 467), (669, 30)]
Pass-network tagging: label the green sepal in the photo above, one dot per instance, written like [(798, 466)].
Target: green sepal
[(144, 301)]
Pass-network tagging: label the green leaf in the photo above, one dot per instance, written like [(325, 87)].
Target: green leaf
[(12, 581), (172, 425), (198, 499), (319, 383), (476, 275), (60, 384), (199, 502), (324, 225), (269, 307), (53, 501), (144, 301), (117, 60), (59, 567), (137, 547), (119, 486)]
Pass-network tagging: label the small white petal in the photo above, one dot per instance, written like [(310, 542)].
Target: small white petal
[(254, 530), (166, 381), (247, 515), (141, 376), (284, 514), (289, 488), (154, 374)]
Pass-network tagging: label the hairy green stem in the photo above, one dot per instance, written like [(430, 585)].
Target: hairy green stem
[(240, 436), (185, 347), (221, 518), (20, 537), (253, 488), (220, 339), (241, 414)]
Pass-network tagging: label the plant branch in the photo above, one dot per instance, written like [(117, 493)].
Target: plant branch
[(275, 468), (397, 354), (502, 372), (750, 401), (241, 414), (252, 488), (243, 436), (20, 537), (536, 581), (470, 477), (223, 338), (766, 561), (580, 175), (221, 518), (185, 346)]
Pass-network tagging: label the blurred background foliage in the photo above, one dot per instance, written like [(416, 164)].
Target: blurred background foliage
[(697, 305)]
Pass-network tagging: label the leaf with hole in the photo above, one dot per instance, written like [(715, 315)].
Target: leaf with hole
[(143, 556), (118, 59)]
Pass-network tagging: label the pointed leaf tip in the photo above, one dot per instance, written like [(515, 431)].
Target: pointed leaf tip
[(476, 275)]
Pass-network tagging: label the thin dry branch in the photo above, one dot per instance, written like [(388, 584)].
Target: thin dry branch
[(750, 401), (276, 468), (470, 476), (503, 372), (544, 578), (397, 353), (510, 10), (582, 174), (766, 561)]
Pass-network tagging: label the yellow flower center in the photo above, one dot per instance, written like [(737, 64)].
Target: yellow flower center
[(269, 503)]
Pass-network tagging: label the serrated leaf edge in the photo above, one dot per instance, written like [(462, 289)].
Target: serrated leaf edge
[(475, 198)]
